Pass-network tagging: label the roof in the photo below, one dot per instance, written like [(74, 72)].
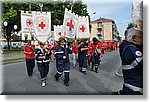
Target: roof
[(102, 20)]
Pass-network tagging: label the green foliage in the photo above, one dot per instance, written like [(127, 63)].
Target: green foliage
[(11, 11)]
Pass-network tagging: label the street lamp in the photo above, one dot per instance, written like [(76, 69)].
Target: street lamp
[(15, 27), (93, 13), (5, 23)]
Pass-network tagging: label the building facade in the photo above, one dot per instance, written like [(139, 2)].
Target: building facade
[(104, 29)]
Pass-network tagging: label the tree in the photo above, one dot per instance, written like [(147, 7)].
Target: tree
[(8, 16), (11, 12)]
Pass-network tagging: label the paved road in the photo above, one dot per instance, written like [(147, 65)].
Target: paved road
[(16, 81)]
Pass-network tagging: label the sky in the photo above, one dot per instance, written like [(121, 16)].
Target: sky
[(117, 10)]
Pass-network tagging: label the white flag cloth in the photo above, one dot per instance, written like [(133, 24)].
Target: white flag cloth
[(58, 32), (83, 27), (26, 25), (137, 10), (69, 24), (42, 25)]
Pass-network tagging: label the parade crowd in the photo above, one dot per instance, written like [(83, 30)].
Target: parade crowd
[(89, 53), (84, 53)]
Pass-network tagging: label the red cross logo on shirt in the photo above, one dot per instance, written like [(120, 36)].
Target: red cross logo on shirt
[(70, 24), (82, 28), (42, 25), (29, 22)]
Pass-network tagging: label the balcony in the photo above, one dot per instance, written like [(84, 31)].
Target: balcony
[(99, 25)]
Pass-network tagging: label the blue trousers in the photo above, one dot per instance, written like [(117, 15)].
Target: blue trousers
[(83, 59), (63, 67), (127, 91)]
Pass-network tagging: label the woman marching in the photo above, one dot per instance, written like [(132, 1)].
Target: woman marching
[(42, 57), (62, 60), (83, 56), (96, 53)]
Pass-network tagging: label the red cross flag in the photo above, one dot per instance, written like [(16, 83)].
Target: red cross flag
[(69, 24), (26, 25), (58, 32), (42, 25), (83, 27)]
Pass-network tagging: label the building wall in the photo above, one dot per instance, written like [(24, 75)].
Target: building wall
[(93, 31), (106, 31), (107, 27)]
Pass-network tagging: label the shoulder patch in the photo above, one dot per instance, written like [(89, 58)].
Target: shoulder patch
[(138, 53)]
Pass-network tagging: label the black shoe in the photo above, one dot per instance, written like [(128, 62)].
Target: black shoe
[(84, 73), (80, 69), (67, 84), (92, 69), (96, 71), (56, 79), (115, 93)]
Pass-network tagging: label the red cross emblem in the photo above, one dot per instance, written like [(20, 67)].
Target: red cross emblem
[(82, 28), (42, 25), (59, 33), (29, 22), (70, 25)]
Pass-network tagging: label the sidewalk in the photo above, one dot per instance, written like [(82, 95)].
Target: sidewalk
[(12, 55)]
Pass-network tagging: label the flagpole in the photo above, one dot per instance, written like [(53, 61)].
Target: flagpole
[(41, 6)]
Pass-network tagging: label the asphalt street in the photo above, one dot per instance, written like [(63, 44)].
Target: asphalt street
[(16, 81)]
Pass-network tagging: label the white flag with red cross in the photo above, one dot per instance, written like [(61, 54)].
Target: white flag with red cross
[(69, 24), (42, 25), (83, 27), (26, 25), (58, 32)]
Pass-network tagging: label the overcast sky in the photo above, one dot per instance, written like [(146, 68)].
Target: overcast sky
[(118, 10)]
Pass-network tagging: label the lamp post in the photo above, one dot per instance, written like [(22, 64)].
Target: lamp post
[(5, 27), (6, 35), (15, 28), (93, 13)]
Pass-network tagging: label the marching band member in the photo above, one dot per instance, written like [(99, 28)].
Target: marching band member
[(30, 61), (42, 58), (62, 60)]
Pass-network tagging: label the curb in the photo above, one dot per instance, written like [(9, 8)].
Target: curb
[(15, 60)]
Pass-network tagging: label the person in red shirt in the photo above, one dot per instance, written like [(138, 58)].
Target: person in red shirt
[(49, 46), (53, 49), (75, 52), (89, 52), (29, 55)]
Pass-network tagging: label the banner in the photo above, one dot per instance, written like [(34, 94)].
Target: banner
[(83, 27), (137, 10), (58, 32), (69, 24), (26, 25), (42, 25)]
